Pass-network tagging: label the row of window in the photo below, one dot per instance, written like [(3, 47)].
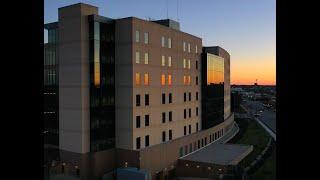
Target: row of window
[(200, 143), (146, 121), (146, 58), (189, 112), (189, 129), (164, 80), (146, 37), (187, 80), (189, 47), (146, 141), (138, 79), (163, 98)]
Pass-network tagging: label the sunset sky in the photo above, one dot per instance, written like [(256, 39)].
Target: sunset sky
[(245, 28)]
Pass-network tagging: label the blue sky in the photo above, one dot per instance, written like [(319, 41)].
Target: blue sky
[(246, 28)]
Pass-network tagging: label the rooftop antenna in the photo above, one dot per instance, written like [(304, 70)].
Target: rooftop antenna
[(167, 9)]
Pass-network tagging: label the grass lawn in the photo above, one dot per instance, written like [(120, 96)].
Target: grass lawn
[(268, 170), (253, 135)]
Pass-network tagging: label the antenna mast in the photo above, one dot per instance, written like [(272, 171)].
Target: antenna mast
[(178, 10)]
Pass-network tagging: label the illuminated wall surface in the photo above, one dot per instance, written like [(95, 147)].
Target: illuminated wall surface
[(212, 90), (51, 108), (102, 89)]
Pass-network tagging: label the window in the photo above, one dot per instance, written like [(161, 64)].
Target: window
[(189, 80), (146, 99), (163, 117), (137, 121), (185, 113), (146, 120), (169, 79), (185, 130), (146, 79), (197, 111), (184, 80), (188, 47), (137, 36), (181, 151), (138, 142), (170, 98), (184, 63), (146, 58), (202, 142), (185, 97), (198, 144), (146, 142), (170, 116), (137, 79), (189, 129), (196, 64), (146, 38), (169, 61), (163, 136), (163, 79), (162, 41), (190, 147), (137, 57), (197, 80), (138, 100), (197, 127), (194, 146), (163, 60), (205, 141), (189, 64), (184, 46), (196, 49), (189, 96), (170, 134), (163, 98), (169, 42), (189, 112), (186, 149), (197, 96)]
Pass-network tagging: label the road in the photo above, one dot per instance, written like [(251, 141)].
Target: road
[(268, 116)]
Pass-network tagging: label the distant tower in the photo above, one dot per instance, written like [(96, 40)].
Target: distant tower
[(256, 83)]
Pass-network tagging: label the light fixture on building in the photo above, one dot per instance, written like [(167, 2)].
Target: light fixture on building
[(187, 165), (63, 164), (209, 168), (198, 166)]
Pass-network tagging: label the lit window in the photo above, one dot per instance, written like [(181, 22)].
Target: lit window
[(163, 61), (188, 47), (146, 79), (169, 61), (137, 36), (169, 79), (146, 38), (189, 80), (189, 64), (196, 49), (162, 41), (184, 63), (184, 80), (137, 57), (146, 58), (163, 79), (137, 79), (184, 46), (169, 42)]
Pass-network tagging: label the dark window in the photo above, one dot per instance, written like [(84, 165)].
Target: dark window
[(170, 134), (189, 113), (189, 96), (137, 100), (197, 128), (205, 141), (138, 142), (197, 96), (185, 130), (190, 147), (146, 141), (197, 109), (170, 116), (186, 149), (197, 80), (202, 142), (189, 129), (181, 151), (163, 117), (222, 131), (185, 113), (198, 144), (146, 99), (185, 97), (170, 98), (196, 64), (163, 98), (146, 120), (163, 136), (137, 121)]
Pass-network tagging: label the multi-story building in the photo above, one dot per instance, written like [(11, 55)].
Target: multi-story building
[(128, 93)]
